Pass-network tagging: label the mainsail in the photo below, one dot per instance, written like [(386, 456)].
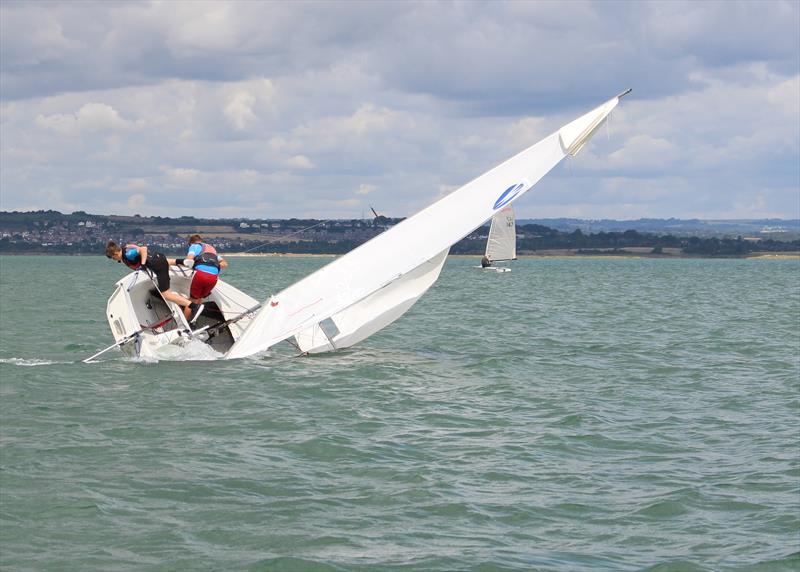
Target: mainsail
[(502, 241), (309, 308)]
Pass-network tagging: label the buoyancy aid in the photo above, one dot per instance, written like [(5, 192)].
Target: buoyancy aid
[(207, 257)]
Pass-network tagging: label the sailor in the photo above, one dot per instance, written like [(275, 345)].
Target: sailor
[(207, 265), (137, 257), (485, 262)]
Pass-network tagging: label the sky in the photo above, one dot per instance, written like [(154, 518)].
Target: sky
[(323, 109)]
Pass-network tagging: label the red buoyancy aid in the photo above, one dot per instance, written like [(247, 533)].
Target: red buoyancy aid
[(207, 256)]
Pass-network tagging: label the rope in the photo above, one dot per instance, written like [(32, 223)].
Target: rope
[(158, 324), (231, 301), (290, 234), (287, 358)]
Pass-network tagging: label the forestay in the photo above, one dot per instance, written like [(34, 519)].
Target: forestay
[(502, 241), (377, 264)]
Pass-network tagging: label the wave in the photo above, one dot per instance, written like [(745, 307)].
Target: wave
[(189, 350), (30, 361)]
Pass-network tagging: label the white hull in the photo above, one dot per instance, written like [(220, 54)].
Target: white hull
[(493, 268), (137, 306)]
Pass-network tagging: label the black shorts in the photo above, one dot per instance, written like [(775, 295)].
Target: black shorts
[(157, 264)]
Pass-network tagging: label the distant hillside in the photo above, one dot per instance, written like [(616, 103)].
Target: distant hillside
[(779, 229), (51, 232)]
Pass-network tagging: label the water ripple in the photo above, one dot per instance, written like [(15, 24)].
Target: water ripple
[(574, 415)]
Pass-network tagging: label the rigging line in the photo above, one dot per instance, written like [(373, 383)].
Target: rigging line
[(231, 301), (182, 270), (152, 278), (133, 283), (297, 347), (291, 234)]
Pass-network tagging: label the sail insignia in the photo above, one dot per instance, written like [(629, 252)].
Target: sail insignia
[(508, 195)]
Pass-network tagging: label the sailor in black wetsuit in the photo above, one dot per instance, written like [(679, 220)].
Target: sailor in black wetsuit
[(136, 257)]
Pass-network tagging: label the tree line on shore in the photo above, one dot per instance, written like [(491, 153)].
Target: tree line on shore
[(531, 238)]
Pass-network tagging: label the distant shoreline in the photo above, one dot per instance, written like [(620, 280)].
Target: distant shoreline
[(548, 254)]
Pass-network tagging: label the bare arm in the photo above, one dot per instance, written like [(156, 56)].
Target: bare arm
[(143, 253), (187, 261)]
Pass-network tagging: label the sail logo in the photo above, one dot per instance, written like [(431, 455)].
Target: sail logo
[(508, 195)]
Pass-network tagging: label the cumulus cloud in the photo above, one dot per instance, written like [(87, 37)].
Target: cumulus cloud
[(90, 118), (300, 162), (181, 177), (240, 110), (365, 189), (136, 201), (307, 109)]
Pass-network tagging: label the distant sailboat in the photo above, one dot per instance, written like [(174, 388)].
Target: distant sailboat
[(368, 288), (501, 246)]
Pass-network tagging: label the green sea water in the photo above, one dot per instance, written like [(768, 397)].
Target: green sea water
[(574, 414)]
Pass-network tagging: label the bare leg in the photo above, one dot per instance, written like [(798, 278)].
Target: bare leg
[(179, 300), (187, 310), (194, 301)]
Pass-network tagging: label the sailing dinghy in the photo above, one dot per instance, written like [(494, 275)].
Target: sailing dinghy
[(142, 321), (501, 245), (368, 288)]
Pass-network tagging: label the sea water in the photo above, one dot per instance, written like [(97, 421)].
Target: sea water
[(574, 414)]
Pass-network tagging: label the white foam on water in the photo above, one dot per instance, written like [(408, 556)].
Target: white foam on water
[(30, 362), (184, 350), (187, 350)]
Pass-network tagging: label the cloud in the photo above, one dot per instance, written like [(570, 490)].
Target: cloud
[(90, 118), (240, 110), (136, 201), (365, 189), (131, 184), (305, 109), (645, 151), (181, 177), (299, 162)]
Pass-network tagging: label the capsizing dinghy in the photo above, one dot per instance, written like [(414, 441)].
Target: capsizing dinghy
[(359, 293), (142, 321)]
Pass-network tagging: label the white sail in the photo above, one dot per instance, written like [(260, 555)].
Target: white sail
[(374, 312), (390, 256), (502, 241)]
